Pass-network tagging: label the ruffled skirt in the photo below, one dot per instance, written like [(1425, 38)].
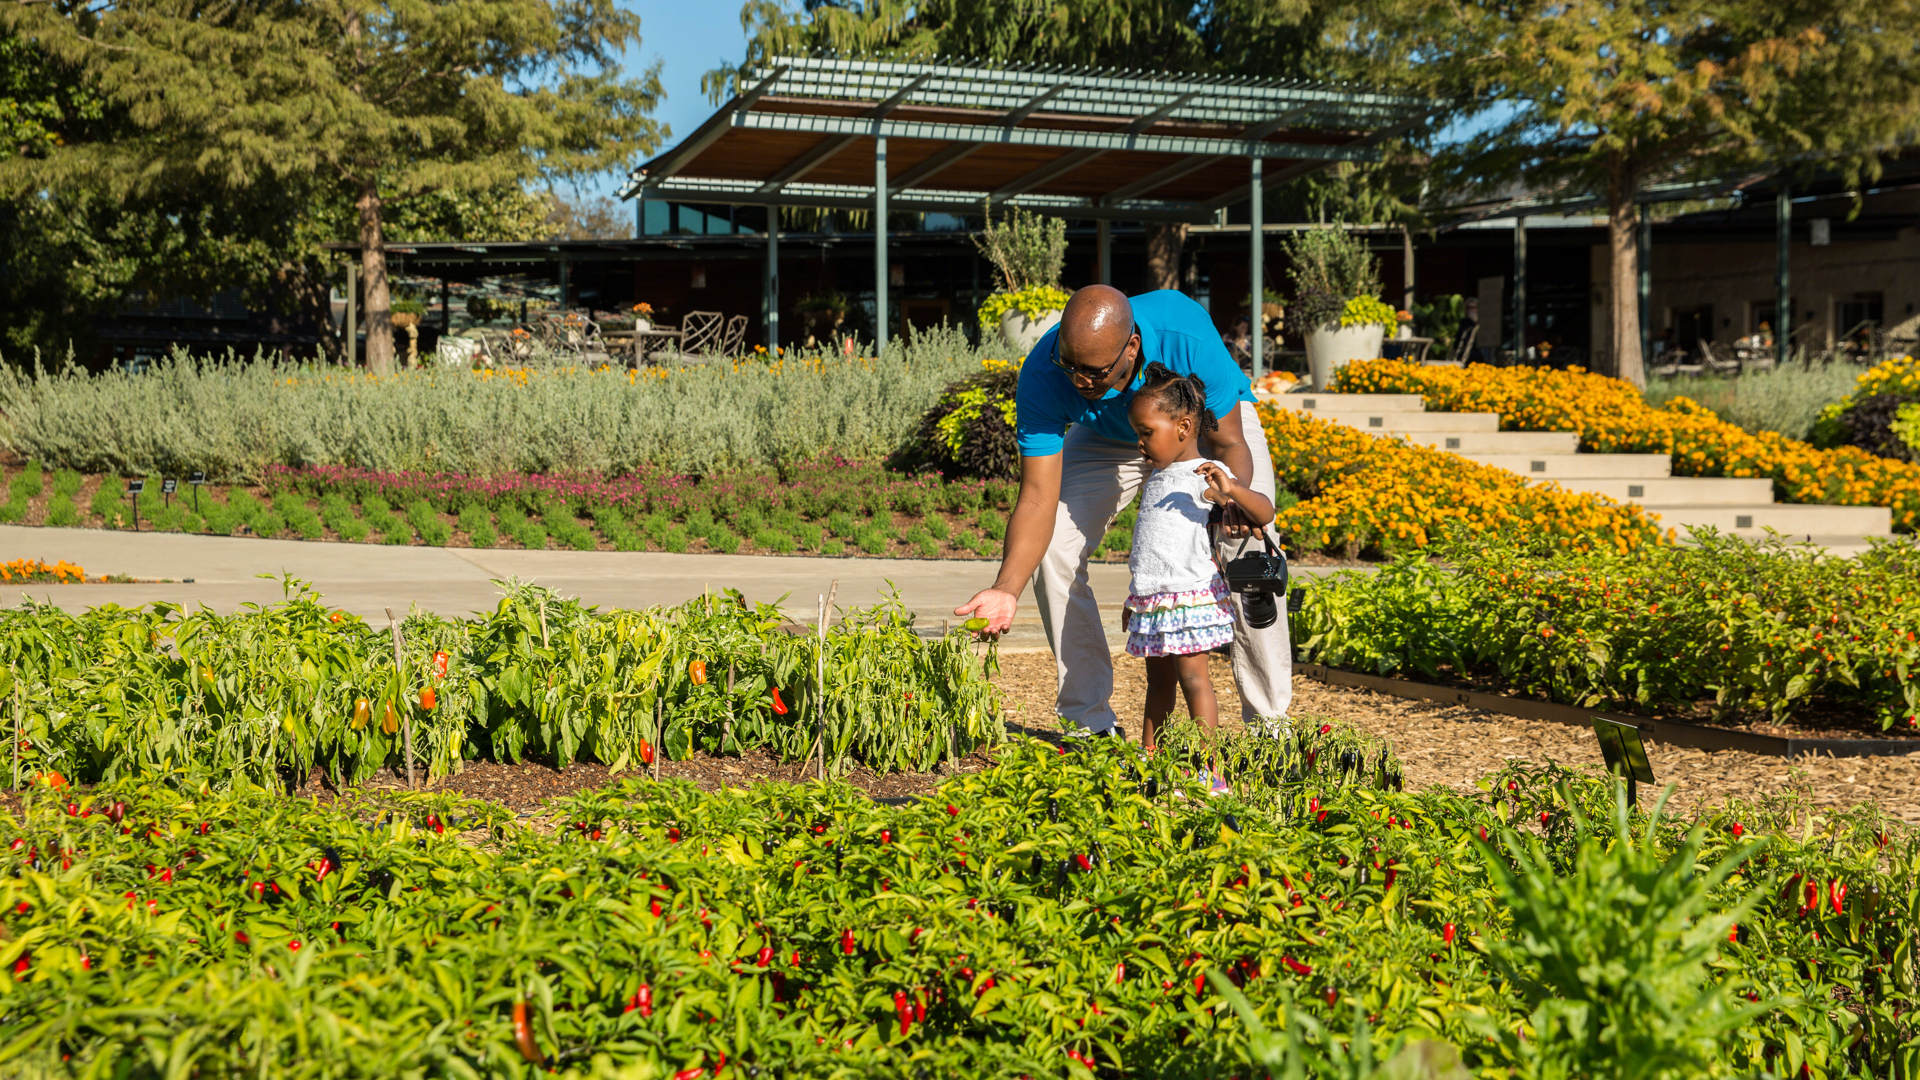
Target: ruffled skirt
[(1180, 623)]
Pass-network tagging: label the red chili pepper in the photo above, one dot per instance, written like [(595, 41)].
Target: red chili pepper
[(428, 699), (1446, 933), (439, 665), (697, 672), (523, 1034), (1837, 896), (847, 942), (1296, 966), (779, 707), (1739, 830), (641, 1001), (1733, 933), (765, 956), (21, 965), (886, 836), (673, 836), (694, 1073), (646, 752), (1083, 862), (1333, 996), (1200, 985)]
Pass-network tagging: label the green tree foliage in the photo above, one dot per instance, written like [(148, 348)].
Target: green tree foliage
[(1603, 97), (375, 103)]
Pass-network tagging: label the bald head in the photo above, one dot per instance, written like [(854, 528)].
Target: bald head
[(1095, 326)]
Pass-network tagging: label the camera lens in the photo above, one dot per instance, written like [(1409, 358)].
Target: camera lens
[(1260, 609)]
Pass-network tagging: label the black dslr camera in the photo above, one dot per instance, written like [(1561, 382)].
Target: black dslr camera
[(1259, 577)]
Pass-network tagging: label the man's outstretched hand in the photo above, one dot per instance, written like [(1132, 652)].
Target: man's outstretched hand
[(994, 605)]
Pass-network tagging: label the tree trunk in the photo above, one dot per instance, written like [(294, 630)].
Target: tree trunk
[(378, 316), (1623, 220), (1164, 243)]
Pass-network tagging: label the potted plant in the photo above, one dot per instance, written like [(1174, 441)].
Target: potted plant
[(1336, 283), (1028, 252), (821, 314), (642, 317)]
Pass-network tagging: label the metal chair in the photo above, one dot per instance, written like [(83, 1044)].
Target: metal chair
[(1719, 358), (700, 333), (734, 341)]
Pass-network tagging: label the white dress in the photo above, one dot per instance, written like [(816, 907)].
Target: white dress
[(1178, 602)]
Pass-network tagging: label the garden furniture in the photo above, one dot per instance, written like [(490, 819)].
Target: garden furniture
[(701, 332), (734, 341), (651, 342)]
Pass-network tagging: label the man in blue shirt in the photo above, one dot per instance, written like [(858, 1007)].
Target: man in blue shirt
[(1080, 463)]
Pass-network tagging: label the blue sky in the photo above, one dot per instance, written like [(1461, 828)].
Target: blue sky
[(689, 37)]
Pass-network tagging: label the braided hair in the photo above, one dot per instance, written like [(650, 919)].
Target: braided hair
[(1179, 395)]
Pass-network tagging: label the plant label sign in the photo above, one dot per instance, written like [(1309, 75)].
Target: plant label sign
[(168, 487), (135, 487)]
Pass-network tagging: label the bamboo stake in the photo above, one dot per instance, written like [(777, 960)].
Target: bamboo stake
[(726, 728), (16, 734), (820, 732), (659, 729), (406, 711)]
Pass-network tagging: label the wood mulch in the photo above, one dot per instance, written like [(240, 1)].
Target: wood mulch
[(1455, 746)]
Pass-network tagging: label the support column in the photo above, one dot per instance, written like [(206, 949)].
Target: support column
[(1257, 268), (565, 266), (353, 309), (1782, 302), (1520, 288), (772, 302), (446, 307), (639, 216), (879, 244), (1103, 252), (1406, 271), (1643, 283)]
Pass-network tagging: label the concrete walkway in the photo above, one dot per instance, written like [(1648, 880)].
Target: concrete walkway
[(368, 578)]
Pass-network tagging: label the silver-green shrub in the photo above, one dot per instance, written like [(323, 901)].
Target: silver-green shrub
[(1787, 399), (233, 417)]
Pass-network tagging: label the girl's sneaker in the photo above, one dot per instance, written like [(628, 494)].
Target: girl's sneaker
[(1221, 786), (1212, 784)]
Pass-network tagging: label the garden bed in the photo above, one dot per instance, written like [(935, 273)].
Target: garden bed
[(855, 510), (1027, 920)]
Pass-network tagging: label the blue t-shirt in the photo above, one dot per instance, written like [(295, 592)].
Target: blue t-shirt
[(1174, 330)]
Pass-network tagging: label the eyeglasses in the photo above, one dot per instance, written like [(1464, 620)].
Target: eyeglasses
[(1094, 376)]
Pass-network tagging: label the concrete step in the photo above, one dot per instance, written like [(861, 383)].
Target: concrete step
[(1388, 422), (1349, 403), (1506, 443), (1801, 519), (1567, 466), (1676, 490)]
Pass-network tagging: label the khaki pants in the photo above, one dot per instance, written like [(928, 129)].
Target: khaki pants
[(1098, 476)]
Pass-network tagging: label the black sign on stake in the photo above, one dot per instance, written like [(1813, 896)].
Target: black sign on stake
[(194, 480), (167, 488), (134, 488), (1626, 754)]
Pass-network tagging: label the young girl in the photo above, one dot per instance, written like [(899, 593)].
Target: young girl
[(1177, 608)]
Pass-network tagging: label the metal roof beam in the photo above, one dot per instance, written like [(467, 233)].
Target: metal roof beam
[(820, 154), (1297, 170), (831, 71), (953, 155), (855, 197), (1042, 137), (1068, 162), (704, 136), (1178, 169)]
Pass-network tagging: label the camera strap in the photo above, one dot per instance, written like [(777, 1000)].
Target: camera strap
[(1217, 517)]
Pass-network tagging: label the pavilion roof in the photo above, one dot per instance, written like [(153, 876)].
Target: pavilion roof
[(1075, 142)]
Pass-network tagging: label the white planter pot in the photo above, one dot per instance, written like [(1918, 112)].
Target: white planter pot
[(641, 326), (1329, 350), (1022, 333)]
